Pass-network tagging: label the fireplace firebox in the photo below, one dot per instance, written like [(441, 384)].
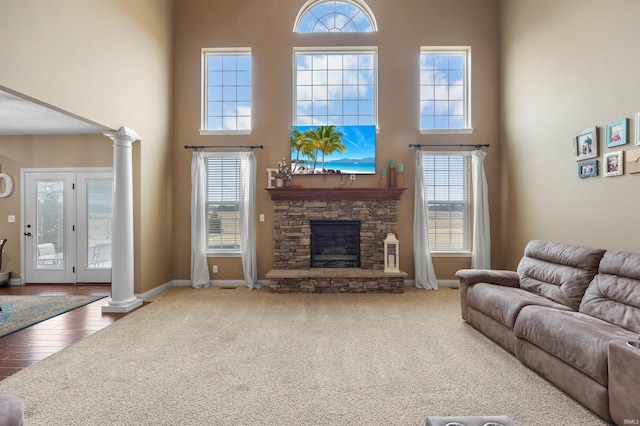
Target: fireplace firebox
[(335, 243)]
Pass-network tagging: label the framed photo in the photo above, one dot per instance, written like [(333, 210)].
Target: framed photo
[(588, 169), (633, 161), (638, 128), (616, 133), (585, 144), (613, 163)]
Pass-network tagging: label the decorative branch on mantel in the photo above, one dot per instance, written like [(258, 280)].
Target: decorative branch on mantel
[(334, 194)]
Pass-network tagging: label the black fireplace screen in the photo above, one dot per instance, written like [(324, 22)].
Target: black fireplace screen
[(335, 244)]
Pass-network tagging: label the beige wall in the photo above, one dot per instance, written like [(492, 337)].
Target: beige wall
[(21, 152), (266, 27), (566, 65), (108, 61)]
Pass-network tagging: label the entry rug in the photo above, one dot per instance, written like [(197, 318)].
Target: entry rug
[(19, 312)]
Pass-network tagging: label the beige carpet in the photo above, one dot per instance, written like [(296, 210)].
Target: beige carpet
[(240, 357)]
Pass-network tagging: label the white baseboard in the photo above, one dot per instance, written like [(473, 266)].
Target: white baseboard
[(220, 283), (265, 283), (228, 283), (441, 283), (448, 283), (154, 291), (181, 283)]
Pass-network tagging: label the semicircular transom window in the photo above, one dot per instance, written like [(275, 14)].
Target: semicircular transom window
[(325, 16)]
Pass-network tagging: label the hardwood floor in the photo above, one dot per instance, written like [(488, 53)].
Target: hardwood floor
[(26, 347)]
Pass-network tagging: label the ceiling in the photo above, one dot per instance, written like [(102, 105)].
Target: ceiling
[(21, 115)]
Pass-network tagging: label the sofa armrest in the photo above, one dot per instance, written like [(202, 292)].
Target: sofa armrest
[(468, 277), (491, 276), (624, 387)]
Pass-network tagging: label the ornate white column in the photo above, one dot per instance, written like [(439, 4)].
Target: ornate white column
[(122, 297)]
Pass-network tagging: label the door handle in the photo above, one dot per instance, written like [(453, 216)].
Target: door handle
[(28, 234)]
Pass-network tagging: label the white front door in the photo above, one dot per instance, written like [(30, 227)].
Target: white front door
[(94, 201), (67, 225)]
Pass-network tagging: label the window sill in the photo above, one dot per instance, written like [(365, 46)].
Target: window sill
[(224, 254), (224, 132), (450, 254), (446, 131)]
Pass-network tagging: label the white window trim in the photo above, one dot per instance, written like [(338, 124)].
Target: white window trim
[(453, 253), (223, 252), (223, 132), (329, 50), (203, 86), (467, 131), (228, 253), (311, 3), (469, 123), (450, 254)]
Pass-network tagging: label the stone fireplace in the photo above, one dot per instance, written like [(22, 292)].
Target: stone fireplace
[(295, 209)]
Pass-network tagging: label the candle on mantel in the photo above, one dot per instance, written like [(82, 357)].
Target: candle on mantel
[(383, 178), (400, 176), (384, 172), (392, 173)]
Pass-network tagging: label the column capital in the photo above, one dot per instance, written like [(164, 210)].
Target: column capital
[(125, 135)]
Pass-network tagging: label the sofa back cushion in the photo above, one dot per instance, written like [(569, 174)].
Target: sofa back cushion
[(614, 293), (560, 272)]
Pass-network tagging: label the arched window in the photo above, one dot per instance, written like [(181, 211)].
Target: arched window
[(335, 86), (335, 16)]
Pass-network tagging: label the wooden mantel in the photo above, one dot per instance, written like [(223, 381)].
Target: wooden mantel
[(334, 194)]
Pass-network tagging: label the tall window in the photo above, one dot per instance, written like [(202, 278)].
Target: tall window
[(444, 89), (449, 195), (335, 16), (223, 202), (226, 106), (337, 87)]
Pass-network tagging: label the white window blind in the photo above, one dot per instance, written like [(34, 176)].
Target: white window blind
[(448, 186), (223, 202)]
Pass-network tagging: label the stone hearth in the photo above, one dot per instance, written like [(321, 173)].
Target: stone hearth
[(295, 208)]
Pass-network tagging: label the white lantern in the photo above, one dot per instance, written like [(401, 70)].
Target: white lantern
[(391, 253)]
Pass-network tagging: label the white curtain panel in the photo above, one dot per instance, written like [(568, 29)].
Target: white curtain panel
[(247, 215), (481, 254), (425, 274), (199, 266)]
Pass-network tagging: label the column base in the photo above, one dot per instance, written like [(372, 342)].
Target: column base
[(122, 308)]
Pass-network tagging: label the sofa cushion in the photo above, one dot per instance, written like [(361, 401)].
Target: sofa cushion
[(11, 411), (614, 294), (577, 339), (504, 303), (560, 272)]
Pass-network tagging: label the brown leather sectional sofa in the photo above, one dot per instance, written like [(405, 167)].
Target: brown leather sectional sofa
[(570, 313)]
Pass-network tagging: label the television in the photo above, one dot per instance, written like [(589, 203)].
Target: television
[(327, 150)]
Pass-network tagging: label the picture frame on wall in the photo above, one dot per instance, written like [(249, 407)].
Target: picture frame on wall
[(585, 144), (612, 164), (637, 129), (616, 133), (632, 158), (588, 169)]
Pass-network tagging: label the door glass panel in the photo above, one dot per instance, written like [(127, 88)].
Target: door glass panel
[(50, 230), (99, 217)]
